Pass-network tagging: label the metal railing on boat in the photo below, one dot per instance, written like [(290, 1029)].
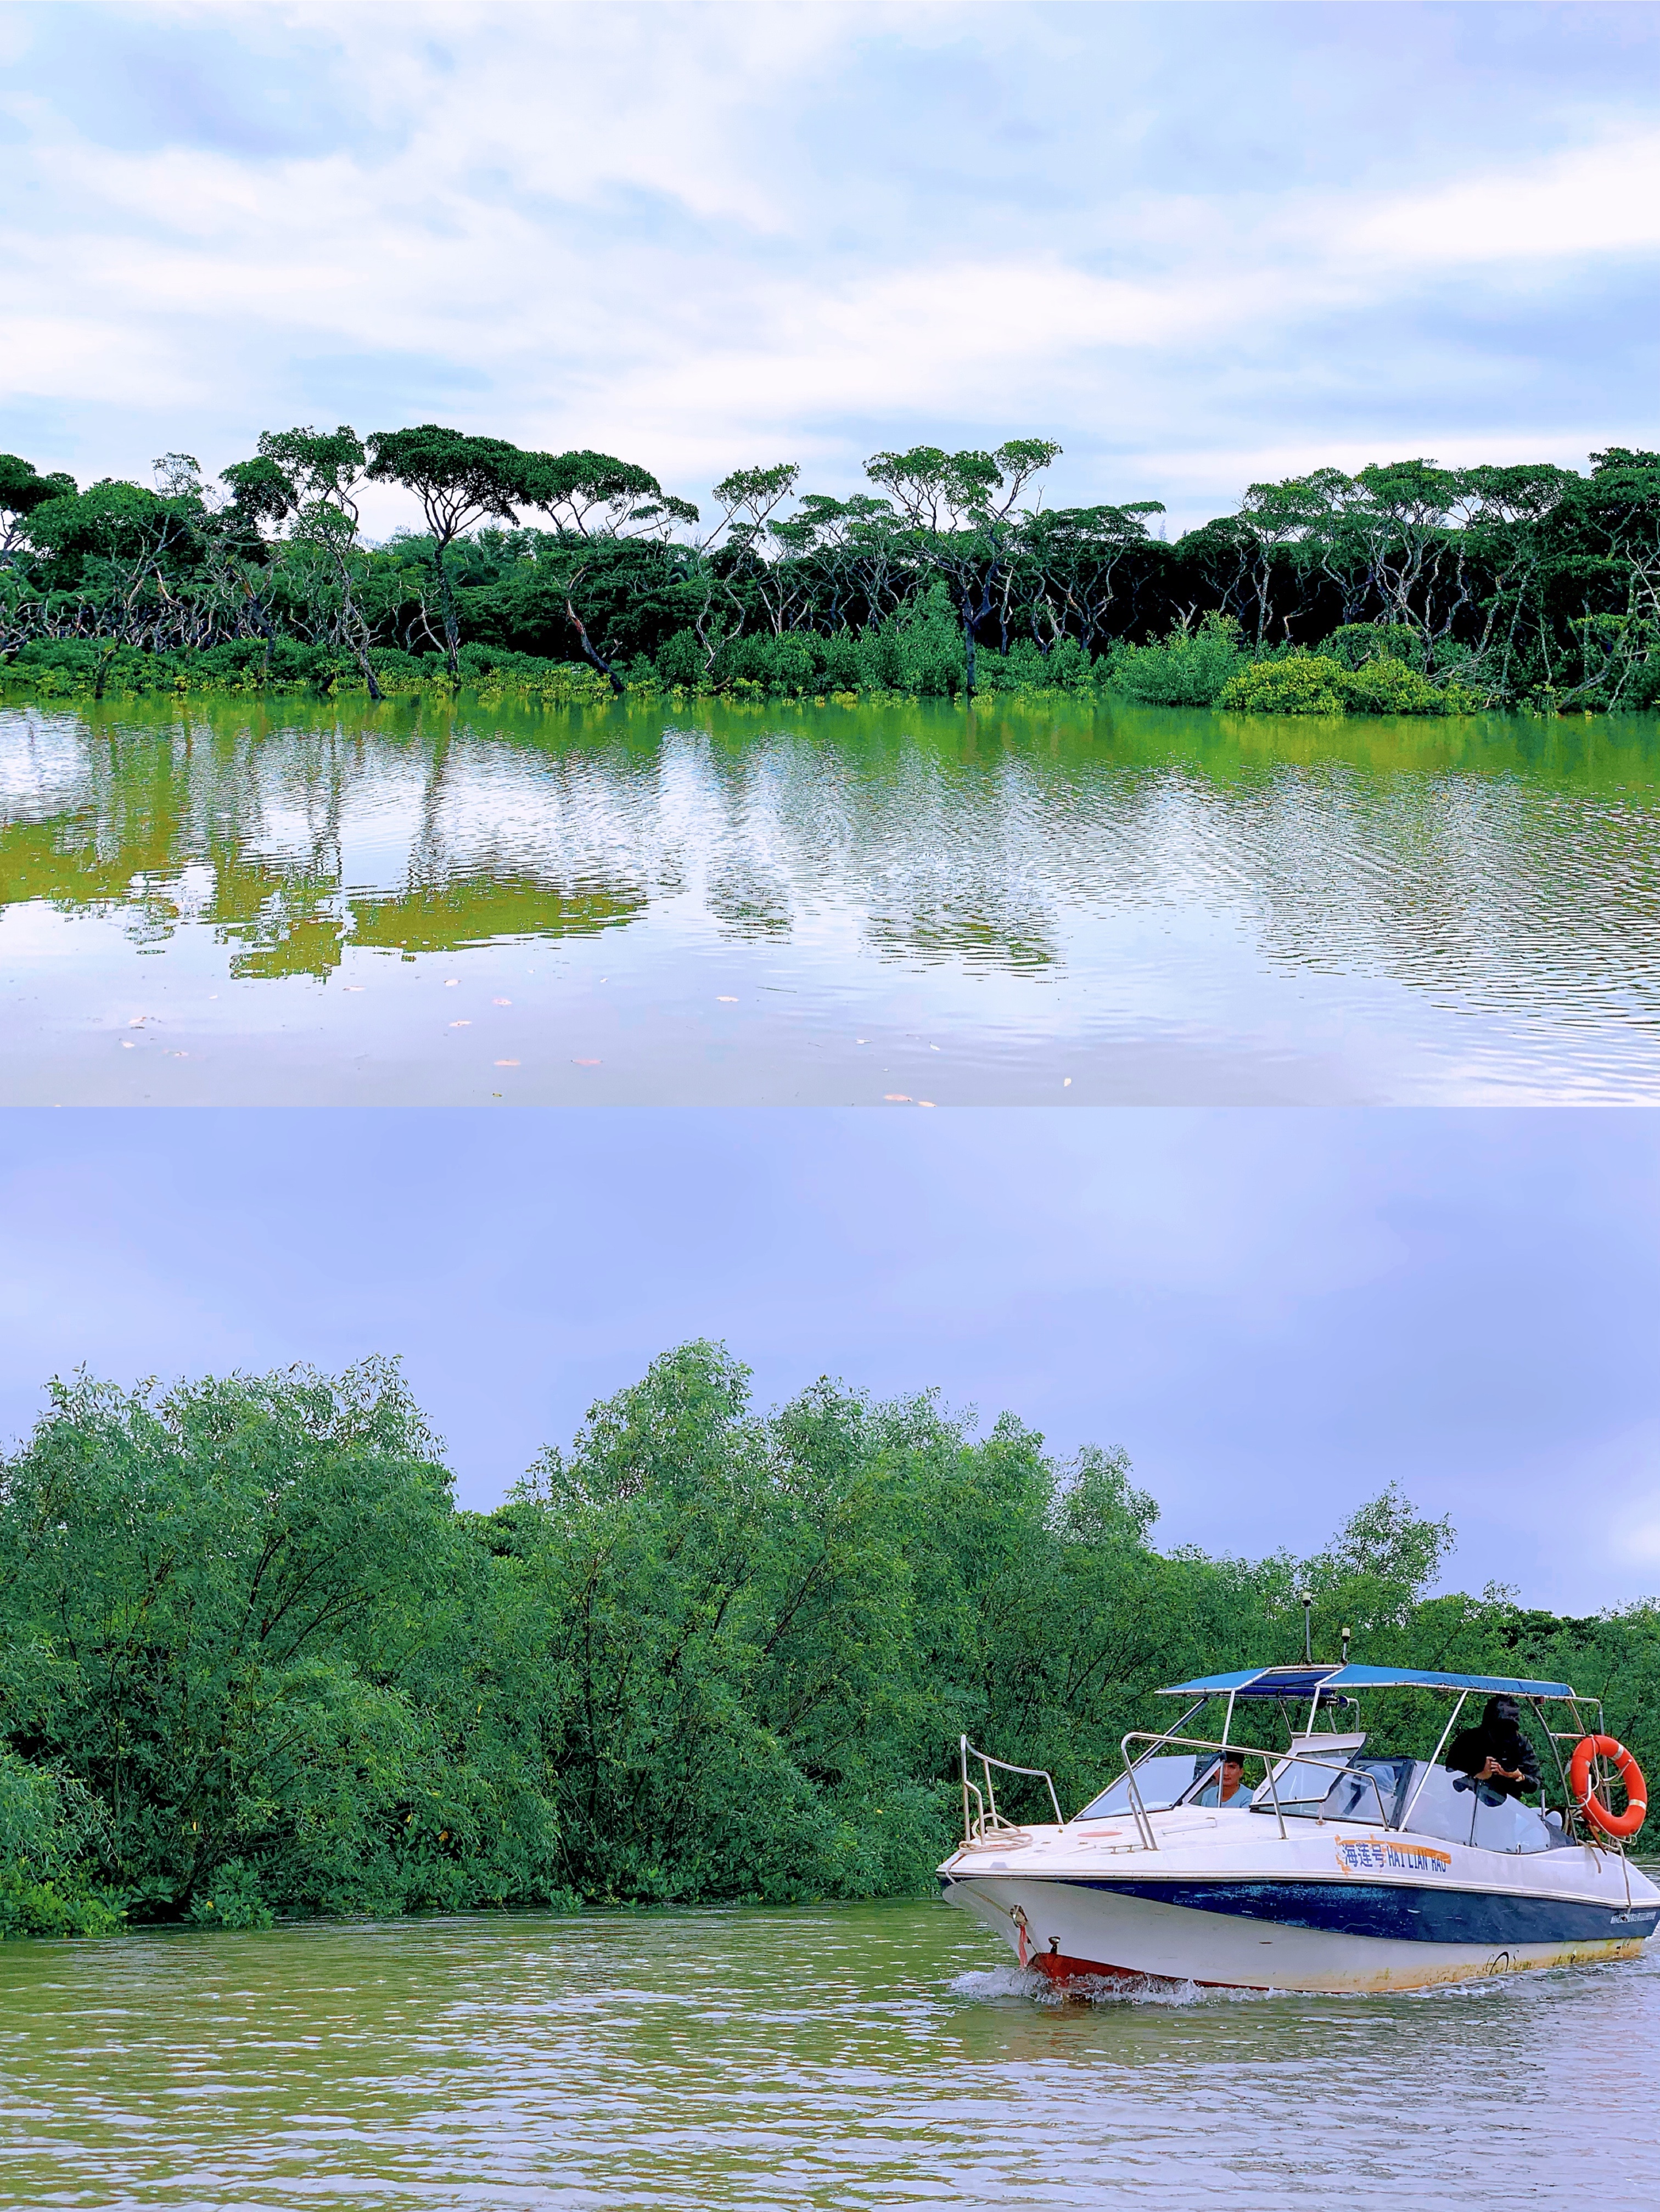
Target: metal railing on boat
[(987, 1823), (1271, 1760), (982, 1822)]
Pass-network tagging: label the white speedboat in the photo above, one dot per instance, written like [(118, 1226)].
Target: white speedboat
[(1344, 1868)]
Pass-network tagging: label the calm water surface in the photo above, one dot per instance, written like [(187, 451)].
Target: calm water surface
[(867, 2055), (292, 903)]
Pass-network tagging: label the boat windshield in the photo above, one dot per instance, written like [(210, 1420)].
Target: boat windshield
[(1458, 1810), (1451, 1806), (1159, 1784), (1301, 1785), (1345, 1784), (1375, 1791)]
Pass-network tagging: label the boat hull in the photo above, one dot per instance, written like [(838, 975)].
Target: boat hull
[(1256, 1933)]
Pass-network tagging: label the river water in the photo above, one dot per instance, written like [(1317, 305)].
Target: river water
[(292, 902), (831, 2055)]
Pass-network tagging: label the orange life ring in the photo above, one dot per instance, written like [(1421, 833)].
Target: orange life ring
[(1637, 1795)]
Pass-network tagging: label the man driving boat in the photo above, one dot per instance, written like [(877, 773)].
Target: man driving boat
[(1227, 1785)]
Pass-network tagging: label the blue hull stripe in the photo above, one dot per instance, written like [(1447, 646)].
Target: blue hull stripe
[(1400, 1913)]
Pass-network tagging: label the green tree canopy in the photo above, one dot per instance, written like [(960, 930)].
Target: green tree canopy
[(255, 1661), (22, 489), (460, 481), (596, 504), (1519, 584), (959, 508), (312, 480)]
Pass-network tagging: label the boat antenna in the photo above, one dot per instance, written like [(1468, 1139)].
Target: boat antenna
[(1308, 1626), (1346, 1647)]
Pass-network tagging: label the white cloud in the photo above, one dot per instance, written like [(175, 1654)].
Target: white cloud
[(1599, 199), (620, 225)]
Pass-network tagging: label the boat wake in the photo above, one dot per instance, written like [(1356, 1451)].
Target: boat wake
[(986, 1984)]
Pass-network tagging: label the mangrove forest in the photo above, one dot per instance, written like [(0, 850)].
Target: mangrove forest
[(257, 1664), (1409, 588)]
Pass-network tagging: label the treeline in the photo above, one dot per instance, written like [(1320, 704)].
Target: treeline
[(1406, 588), (255, 1661)]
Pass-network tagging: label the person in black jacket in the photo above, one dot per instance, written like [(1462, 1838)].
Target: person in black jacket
[(1496, 1750)]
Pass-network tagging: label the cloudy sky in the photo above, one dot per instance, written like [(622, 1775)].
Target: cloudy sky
[(1197, 243), (1274, 1313)]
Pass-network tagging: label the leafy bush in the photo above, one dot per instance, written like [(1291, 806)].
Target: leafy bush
[(1314, 684), (238, 1900), (1189, 669), (48, 1824), (1302, 683), (71, 667), (681, 661), (1389, 687), (917, 651), (557, 683), (1027, 667), (920, 649), (1356, 643)]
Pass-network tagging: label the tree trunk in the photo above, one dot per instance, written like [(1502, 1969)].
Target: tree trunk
[(353, 628), (358, 637), (452, 620), (592, 653)]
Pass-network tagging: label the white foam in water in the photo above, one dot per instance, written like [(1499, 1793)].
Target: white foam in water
[(987, 1983)]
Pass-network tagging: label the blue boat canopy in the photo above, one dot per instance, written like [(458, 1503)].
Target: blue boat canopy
[(1303, 1680)]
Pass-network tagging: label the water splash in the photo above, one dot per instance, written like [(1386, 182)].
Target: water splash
[(988, 1984)]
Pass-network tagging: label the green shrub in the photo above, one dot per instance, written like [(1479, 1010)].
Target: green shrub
[(1316, 684), (1642, 693), (1389, 687), (48, 1823), (1356, 643), (917, 651), (1189, 669), (238, 1900), (556, 683), (1027, 667), (1302, 683), (681, 661), (70, 667), (68, 1904)]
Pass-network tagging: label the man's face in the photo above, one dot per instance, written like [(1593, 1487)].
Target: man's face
[(1233, 1772)]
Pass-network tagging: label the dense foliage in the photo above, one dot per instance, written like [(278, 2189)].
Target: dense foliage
[(1406, 588), (256, 1662)]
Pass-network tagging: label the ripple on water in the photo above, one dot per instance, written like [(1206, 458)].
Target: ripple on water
[(832, 2056), (1166, 908)]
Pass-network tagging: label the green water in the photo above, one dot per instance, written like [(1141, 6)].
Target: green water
[(866, 2056), (289, 903)]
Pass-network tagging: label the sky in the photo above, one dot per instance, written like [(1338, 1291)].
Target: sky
[(1197, 244), (1200, 246), (1275, 1314)]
